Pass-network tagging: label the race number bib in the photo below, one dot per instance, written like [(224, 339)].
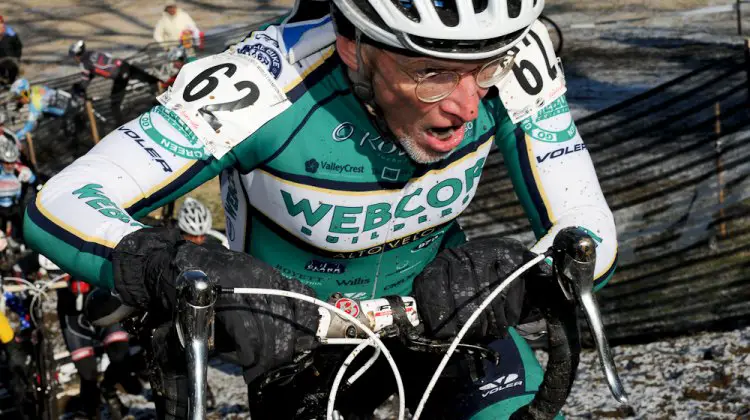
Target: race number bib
[(224, 99), (537, 78)]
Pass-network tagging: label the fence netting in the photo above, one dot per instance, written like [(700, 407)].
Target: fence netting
[(674, 165)]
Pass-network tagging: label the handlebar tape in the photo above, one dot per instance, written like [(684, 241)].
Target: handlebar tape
[(564, 355)]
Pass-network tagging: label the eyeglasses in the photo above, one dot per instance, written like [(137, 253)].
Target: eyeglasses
[(435, 85)]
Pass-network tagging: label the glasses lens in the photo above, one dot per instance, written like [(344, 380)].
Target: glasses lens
[(493, 72), (436, 86)]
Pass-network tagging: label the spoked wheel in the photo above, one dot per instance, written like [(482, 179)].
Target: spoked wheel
[(555, 34), (46, 380)]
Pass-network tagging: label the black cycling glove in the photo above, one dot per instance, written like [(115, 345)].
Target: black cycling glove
[(453, 286), (267, 330)]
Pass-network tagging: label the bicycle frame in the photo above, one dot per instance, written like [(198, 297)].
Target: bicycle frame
[(44, 377), (574, 256)]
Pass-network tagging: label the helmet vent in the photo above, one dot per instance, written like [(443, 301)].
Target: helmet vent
[(480, 5), (514, 8), (447, 11), (407, 8)]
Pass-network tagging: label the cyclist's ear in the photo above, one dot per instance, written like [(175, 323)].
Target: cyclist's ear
[(347, 50)]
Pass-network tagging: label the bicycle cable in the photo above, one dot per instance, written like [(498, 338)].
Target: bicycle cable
[(466, 327), (36, 290), (373, 338), (342, 371)]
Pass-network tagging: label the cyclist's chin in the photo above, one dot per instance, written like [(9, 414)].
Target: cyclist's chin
[(422, 149)]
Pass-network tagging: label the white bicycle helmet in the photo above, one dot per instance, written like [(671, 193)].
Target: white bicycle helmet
[(8, 151), (77, 48), (194, 218), (451, 29), (19, 87), (176, 54)]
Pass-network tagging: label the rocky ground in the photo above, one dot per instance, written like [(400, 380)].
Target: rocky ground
[(703, 376)]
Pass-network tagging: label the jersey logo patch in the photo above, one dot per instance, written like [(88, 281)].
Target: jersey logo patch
[(553, 124), (265, 55), (174, 144)]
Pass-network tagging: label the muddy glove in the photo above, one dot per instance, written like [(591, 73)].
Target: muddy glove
[(453, 286), (266, 330)]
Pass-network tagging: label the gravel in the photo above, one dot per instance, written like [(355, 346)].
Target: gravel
[(701, 376)]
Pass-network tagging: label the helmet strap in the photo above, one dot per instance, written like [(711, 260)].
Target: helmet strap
[(362, 87), (361, 83)]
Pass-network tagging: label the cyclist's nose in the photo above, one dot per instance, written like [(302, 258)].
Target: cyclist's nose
[(463, 102)]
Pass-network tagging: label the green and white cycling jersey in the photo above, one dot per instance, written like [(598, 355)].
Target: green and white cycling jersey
[(309, 185)]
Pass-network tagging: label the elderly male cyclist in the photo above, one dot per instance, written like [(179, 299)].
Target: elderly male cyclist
[(349, 138)]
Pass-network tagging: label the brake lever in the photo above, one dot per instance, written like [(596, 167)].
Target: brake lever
[(197, 295), (413, 340), (574, 254)]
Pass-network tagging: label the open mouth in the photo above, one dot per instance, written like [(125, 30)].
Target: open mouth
[(445, 139), (443, 133)]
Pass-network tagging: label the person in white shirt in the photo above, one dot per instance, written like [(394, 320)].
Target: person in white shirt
[(173, 23)]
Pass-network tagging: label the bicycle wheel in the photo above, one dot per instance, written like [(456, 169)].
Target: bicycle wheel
[(50, 369), (46, 372), (555, 33)]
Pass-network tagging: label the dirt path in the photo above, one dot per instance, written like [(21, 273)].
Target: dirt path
[(119, 26)]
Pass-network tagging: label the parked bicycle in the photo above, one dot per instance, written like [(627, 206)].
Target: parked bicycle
[(26, 300)]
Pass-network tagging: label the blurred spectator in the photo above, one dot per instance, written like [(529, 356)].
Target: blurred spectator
[(96, 63), (13, 178), (174, 21), (80, 339), (41, 100), (6, 134), (10, 53)]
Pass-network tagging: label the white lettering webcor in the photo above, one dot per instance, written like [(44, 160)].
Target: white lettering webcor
[(224, 99)]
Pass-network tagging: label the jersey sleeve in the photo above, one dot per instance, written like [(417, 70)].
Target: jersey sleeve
[(554, 178), (207, 118), (87, 71), (28, 127), (550, 168), (81, 214)]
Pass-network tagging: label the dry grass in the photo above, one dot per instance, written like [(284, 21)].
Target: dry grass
[(208, 194)]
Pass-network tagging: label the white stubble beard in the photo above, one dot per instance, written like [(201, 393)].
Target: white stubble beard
[(419, 154)]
